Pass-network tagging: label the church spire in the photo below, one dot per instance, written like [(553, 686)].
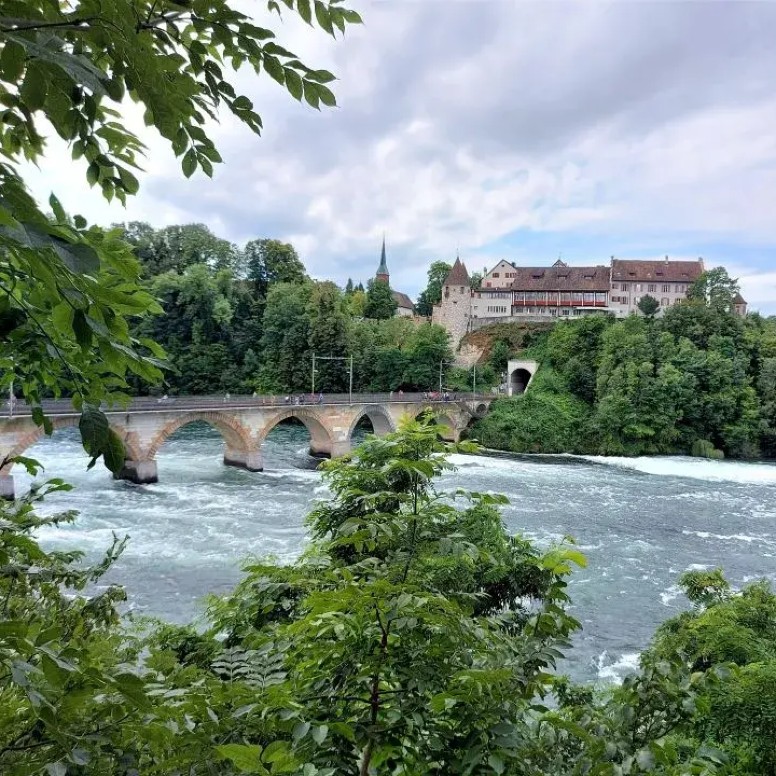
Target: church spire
[(382, 270)]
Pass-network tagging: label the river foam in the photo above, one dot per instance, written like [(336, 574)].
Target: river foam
[(693, 468), (640, 521)]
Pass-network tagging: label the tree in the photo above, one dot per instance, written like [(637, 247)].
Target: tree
[(356, 303), (475, 281), (648, 306), (328, 335), (716, 289), (349, 289), (174, 248), (380, 303), (730, 629), (427, 347), (285, 348), (432, 294), (271, 261), (499, 355)]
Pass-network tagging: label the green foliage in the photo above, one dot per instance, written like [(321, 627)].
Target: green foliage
[(648, 306), (432, 294), (176, 248), (285, 355), (63, 683), (733, 634), (702, 448), (271, 261), (328, 335), (715, 289), (380, 303), (499, 356), (697, 380), (547, 419)]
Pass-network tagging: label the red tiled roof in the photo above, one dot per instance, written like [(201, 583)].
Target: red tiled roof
[(656, 271), (738, 299), (458, 276), (561, 278)]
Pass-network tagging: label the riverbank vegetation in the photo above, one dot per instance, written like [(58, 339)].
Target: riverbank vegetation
[(697, 380), (414, 635)]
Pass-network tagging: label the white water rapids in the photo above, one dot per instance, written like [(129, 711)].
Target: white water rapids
[(640, 521)]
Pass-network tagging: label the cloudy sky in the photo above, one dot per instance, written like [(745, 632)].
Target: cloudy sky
[(518, 130)]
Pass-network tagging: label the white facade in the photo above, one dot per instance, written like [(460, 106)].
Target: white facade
[(501, 276), (488, 303), (625, 296)]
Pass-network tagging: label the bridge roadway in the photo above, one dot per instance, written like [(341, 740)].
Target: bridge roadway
[(243, 422)]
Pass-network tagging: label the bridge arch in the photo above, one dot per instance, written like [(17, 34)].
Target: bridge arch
[(381, 421), (321, 436), (236, 436), (37, 433)]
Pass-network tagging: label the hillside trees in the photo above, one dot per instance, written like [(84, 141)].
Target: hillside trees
[(695, 375), (175, 248), (648, 306), (271, 261), (328, 336), (379, 303)]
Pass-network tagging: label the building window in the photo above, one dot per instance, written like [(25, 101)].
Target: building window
[(495, 274), (564, 311), (651, 288), (666, 288), (615, 287), (589, 298), (623, 287)]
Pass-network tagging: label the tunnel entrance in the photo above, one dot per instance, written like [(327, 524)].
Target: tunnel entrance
[(519, 380)]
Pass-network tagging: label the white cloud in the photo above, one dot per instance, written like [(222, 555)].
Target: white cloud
[(457, 127)]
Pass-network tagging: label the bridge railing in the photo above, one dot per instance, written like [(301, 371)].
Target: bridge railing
[(213, 402)]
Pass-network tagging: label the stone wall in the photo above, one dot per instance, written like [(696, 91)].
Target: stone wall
[(454, 312)]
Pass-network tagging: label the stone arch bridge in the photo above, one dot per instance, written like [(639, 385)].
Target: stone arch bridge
[(243, 423)]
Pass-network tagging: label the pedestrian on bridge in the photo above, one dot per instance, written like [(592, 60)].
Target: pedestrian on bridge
[(320, 398)]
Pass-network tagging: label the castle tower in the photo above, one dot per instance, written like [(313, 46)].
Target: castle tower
[(454, 311), (382, 270)]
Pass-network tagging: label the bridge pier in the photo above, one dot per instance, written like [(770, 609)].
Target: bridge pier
[(244, 459), (6, 487), (139, 472), (329, 449)]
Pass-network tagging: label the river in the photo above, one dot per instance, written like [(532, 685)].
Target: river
[(641, 522)]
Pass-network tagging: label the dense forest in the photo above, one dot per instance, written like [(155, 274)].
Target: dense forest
[(697, 380), (245, 319)]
